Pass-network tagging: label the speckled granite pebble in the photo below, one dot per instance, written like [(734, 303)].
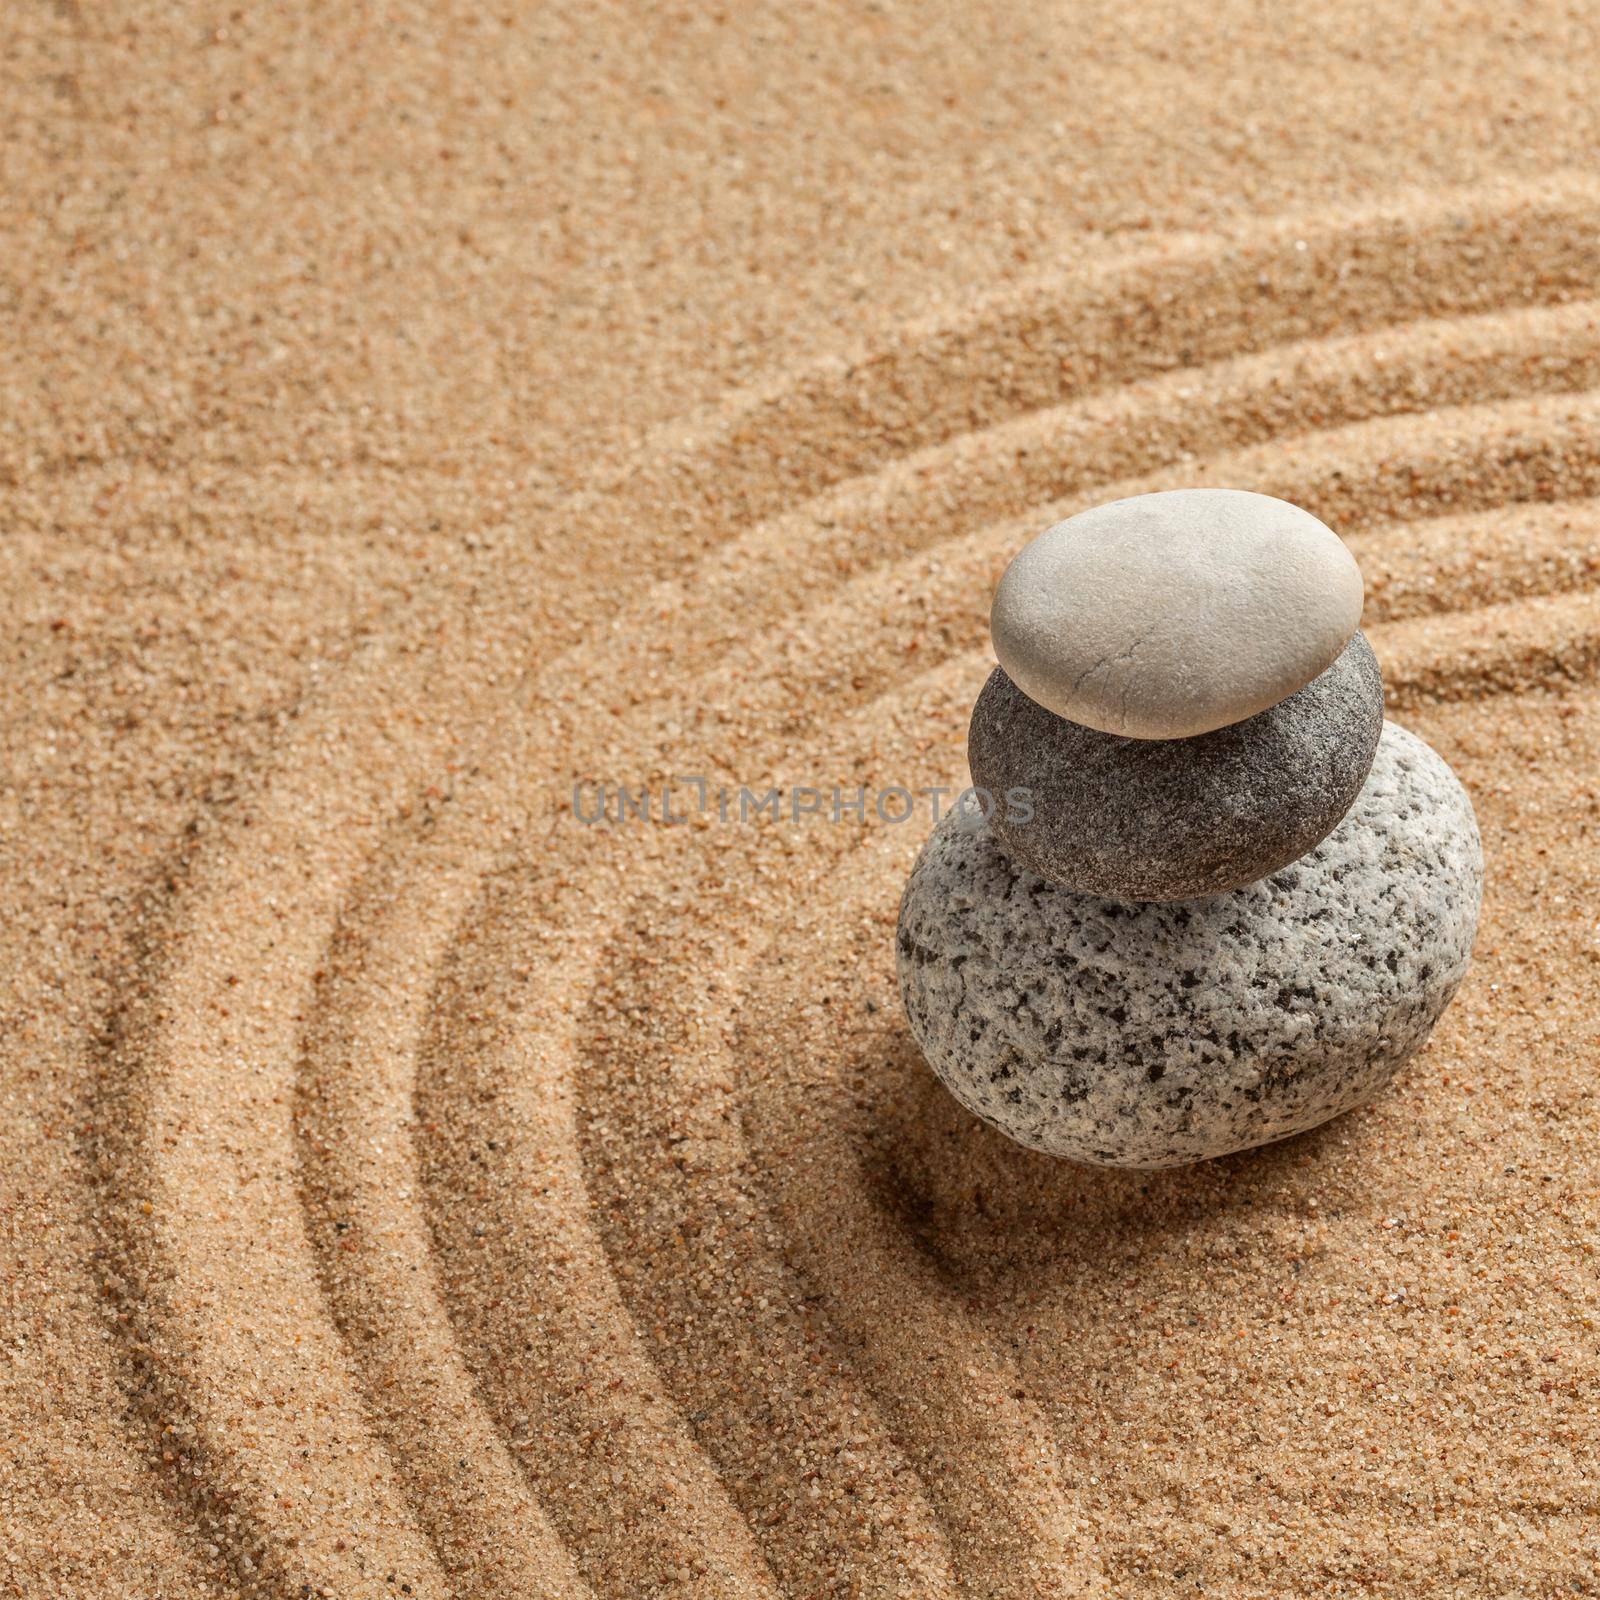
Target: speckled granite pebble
[(1166, 615), (1151, 1035), (1170, 819)]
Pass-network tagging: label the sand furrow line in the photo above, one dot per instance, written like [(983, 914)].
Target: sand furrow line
[(836, 621), (360, 1185), (1047, 464), (235, 1279), (1187, 305), (232, 1360)]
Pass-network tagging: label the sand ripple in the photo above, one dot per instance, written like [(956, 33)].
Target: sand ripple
[(501, 1207)]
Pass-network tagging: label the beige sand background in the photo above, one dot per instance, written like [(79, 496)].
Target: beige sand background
[(405, 408)]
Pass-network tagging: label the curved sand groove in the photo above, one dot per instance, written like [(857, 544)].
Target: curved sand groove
[(1510, 648), (210, 1060), (1462, 563), (986, 1473), (1263, 287), (933, 567), (353, 1115), (500, 1079), (978, 1438), (613, 1458), (1450, 461), (231, 1351), (760, 1380), (1504, 455), (834, 626), (983, 1459), (1049, 464), (497, 1090)]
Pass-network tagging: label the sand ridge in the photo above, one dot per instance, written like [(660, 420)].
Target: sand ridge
[(456, 1200)]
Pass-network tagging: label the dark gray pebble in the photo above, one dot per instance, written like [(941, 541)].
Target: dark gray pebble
[(1172, 819)]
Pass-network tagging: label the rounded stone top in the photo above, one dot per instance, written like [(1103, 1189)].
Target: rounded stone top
[(1168, 615)]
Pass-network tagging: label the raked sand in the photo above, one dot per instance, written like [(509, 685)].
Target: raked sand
[(409, 408)]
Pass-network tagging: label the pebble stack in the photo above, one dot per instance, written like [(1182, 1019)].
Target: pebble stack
[(1228, 901)]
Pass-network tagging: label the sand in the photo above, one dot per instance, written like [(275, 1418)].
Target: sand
[(407, 409)]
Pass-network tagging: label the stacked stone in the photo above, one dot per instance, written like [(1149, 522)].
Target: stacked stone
[(1228, 900)]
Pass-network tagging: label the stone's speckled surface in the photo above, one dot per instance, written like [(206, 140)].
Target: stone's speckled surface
[(1170, 819), (1151, 1035), (1167, 615)]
